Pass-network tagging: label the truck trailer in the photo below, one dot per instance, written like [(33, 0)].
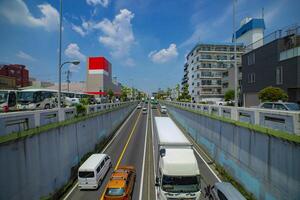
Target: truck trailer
[(178, 174)]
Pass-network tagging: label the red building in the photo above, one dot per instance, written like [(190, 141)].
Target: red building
[(19, 72)]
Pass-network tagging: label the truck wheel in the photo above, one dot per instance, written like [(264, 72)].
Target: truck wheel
[(47, 106)]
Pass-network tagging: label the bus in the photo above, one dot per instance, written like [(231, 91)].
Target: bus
[(32, 99), (8, 100)]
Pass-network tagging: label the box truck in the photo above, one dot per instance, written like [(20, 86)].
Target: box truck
[(178, 175)]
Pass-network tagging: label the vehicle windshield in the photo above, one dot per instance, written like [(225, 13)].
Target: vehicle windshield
[(3, 96), (293, 106), (115, 192), (86, 174), (181, 184), (26, 97)]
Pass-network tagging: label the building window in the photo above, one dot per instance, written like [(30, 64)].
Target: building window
[(251, 58), (251, 78), (279, 75)]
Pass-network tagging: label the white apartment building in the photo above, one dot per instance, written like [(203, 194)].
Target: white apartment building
[(205, 66)]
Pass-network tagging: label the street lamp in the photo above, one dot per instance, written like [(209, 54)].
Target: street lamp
[(235, 61), (75, 62)]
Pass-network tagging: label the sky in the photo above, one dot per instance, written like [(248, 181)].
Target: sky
[(145, 40)]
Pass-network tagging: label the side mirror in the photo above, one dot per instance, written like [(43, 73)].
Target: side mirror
[(156, 182)]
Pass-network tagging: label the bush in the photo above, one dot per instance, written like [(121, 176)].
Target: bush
[(84, 101), (272, 94), (80, 109), (229, 95)]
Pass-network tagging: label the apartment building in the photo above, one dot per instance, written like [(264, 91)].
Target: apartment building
[(204, 69), (276, 63)]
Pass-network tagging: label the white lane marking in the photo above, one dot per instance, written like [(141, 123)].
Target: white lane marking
[(153, 144), (219, 180), (118, 132), (145, 147)]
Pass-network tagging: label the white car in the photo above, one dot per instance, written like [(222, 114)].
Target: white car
[(163, 109), (144, 110), (139, 106)]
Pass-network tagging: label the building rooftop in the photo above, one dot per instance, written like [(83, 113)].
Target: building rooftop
[(252, 24)]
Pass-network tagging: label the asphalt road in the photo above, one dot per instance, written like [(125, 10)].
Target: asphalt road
[(134, 139)]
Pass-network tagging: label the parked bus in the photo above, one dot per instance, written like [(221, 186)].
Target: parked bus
[(31, 99), (8, 100)]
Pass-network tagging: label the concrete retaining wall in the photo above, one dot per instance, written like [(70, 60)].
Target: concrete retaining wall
[(37, 166), (266, 166)]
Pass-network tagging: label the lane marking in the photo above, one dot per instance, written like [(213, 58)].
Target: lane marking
[(124, 149), (210, 169), (153, 152), (117, 133), (145, 147)]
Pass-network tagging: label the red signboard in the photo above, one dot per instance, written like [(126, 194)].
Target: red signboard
[(98, 63)]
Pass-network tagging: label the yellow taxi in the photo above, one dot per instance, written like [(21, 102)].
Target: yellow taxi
[(121, 183)]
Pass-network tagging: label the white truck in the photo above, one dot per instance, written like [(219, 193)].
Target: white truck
[(178, 175)]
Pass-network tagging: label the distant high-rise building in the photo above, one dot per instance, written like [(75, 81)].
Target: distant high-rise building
[(99, 77), (204, 69)]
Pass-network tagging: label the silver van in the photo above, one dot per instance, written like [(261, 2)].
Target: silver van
[(223, 191)]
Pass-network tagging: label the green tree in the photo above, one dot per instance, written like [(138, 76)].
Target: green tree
[(185, 96), (177, 88), (272, 94), (124, 93), (110, 94), (229, 95)]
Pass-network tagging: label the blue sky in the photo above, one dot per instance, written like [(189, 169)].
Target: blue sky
[(145, 40)]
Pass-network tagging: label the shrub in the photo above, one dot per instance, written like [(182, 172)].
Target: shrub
[(272, 94), (80, 109)]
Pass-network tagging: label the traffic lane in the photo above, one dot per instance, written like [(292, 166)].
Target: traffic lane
[(114, 151), (207, 176), (135, 152)]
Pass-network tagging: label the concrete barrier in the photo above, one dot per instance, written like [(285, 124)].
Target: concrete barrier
[(24, 120), (36, 166), (265, 165), (288, 121)]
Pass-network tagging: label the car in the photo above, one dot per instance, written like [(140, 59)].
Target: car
[(280, 106), (139, 106), (144, 110), (121, 184), (163, 109), (223, 190)]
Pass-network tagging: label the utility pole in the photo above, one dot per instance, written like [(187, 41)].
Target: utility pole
[(68, 79), (235, 61), (59, 54)]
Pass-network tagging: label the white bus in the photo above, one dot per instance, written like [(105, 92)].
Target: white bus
[(31, 99), (8, 100)]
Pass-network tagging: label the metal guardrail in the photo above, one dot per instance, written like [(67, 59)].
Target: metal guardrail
[(288, 121), (25, 120)]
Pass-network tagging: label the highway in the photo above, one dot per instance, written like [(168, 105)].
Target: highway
[(135, 143)]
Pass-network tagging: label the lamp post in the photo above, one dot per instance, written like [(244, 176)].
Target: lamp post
[(59, 53), (75, 62), (235, 62)]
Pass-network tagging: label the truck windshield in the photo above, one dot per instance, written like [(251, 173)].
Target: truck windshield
[(3, 96), (115, 192), (181, 184)]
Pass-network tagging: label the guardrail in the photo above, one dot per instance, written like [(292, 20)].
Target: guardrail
[(24, 120), (288, 121)]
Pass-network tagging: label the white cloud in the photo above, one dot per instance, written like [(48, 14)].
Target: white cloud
[(25, 56), (17, 12), (73, 52), (129, 62), (164, 55), (103, 3), (79, 30), (117, 34), (74, 68)]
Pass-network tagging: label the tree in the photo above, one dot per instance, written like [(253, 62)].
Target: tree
[(229, 95), (177, 88), (272, 94), (124, 93), (185, 96), (110, 94)]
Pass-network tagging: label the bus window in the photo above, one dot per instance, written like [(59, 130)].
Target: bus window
[(12, 100)]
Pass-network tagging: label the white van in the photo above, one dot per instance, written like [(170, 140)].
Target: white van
[(93, 171)]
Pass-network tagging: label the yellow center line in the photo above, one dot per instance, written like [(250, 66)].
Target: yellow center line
[(124, 149)]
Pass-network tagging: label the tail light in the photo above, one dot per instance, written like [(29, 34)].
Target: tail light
[(5, 109)]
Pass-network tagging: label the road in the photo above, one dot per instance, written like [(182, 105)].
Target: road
[(135, 143)]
